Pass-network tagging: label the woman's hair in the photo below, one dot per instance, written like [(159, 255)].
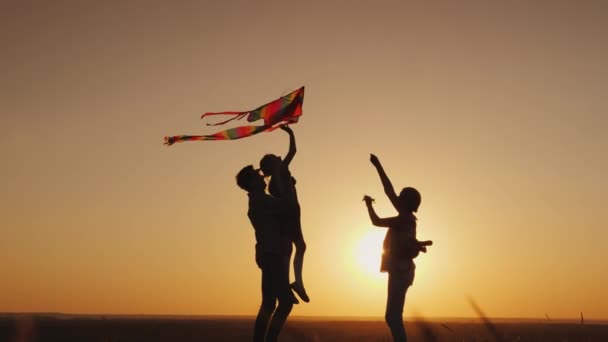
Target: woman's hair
[(410, 199)]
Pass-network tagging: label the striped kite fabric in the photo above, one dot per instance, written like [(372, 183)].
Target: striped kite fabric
[(284, 110)]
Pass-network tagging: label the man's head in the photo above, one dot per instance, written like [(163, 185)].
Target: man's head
[(410, 199), (268, 163), (249, 179)]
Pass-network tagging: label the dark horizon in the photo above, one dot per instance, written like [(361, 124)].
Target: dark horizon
[(471, 319)]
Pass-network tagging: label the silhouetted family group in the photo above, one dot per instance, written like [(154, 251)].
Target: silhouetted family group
[(275, 217)]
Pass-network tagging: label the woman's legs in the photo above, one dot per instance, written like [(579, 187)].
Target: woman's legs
[(397, 287)]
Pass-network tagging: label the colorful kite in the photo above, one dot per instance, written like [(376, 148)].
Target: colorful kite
[(285, 110)]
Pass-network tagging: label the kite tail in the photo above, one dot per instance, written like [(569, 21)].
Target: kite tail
[(237, 116), (229, 134), (176, 138)]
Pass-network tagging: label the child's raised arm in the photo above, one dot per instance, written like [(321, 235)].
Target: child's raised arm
[(292, 145), (386, 183)]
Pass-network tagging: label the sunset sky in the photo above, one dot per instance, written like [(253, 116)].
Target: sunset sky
[(496, 112)]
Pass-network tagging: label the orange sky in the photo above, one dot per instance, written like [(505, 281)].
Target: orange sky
[(495, 112)]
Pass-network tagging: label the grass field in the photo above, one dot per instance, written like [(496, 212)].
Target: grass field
[(21, 328)]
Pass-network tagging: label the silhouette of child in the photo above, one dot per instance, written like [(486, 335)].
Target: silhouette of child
[(399, 249), (272, 165)]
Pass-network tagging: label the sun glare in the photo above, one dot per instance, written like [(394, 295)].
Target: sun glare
[(369, 250)]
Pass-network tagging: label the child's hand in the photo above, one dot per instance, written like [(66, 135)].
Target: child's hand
[(368, 200), (375, 161), (286, 128)]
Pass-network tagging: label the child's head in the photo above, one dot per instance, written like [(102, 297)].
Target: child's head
[(249, 179), (268, 163), (410, 199)]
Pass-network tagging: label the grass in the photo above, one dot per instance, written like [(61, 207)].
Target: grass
[(27, 328)]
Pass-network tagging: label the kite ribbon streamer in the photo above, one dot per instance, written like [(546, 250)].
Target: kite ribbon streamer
[(285, 110), (229, 134)]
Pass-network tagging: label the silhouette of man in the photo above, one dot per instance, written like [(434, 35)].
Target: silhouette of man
[(272, 251)]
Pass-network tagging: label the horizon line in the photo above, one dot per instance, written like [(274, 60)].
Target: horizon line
[(304, 317)]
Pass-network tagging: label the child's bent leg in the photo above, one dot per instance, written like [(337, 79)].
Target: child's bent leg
[(298, 265), (298, 260)]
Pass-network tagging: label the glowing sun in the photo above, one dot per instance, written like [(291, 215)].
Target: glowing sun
[(369, 250)]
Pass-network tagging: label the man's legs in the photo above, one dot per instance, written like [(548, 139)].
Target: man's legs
[(268, 265), (261, 322), (285, 302), (397, 287)]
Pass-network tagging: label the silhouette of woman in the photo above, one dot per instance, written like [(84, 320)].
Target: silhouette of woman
[(399, 249)]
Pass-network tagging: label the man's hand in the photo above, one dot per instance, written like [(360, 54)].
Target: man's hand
[(286, 128), (368, 200), (375, 161)]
